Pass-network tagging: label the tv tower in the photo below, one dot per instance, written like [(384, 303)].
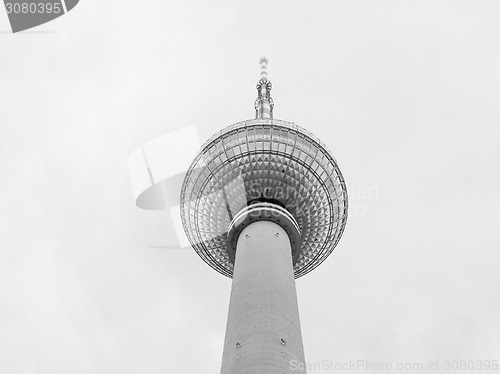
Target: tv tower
[(263, 203)]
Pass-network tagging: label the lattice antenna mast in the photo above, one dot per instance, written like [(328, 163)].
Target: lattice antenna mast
[(264, 103)]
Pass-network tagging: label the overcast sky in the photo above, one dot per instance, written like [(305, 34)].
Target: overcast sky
[(404, 93)]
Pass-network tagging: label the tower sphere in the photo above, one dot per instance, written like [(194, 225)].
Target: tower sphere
[(264, 161)]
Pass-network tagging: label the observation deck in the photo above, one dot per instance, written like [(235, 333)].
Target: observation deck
[(264, 160)]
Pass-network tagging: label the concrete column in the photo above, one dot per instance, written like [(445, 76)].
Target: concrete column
[(263, 329)]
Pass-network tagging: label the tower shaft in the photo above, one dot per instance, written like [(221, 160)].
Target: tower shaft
[(263, 329)]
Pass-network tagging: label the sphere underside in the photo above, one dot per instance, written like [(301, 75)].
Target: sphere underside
[(264, 160)]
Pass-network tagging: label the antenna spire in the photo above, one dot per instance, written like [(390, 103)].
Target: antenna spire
[(264, 103)]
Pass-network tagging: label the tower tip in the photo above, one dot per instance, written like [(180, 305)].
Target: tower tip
[(263, 61), (264, 103)]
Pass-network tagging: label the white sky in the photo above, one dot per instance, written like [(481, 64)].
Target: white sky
[(405, 94)]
